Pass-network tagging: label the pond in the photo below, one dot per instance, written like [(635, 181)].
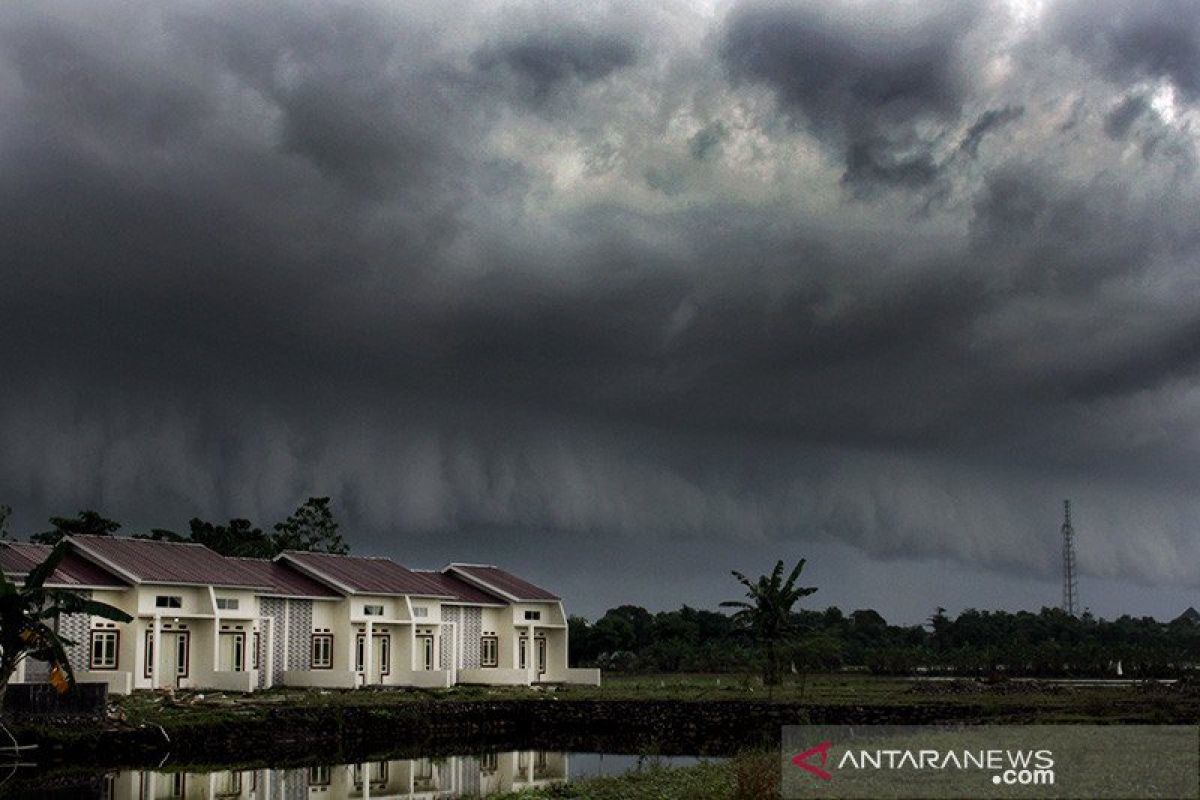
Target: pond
[(475, 775)]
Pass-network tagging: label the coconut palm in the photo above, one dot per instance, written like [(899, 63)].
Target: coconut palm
[(26, 614), (768, 612)]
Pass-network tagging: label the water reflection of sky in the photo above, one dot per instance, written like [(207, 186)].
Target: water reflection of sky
[(443, 777)]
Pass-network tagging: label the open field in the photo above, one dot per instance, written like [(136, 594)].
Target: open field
[(1047, 701)]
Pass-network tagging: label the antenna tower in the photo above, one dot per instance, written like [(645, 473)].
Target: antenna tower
[(1070, 589)]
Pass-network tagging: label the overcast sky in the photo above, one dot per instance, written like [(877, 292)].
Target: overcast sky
[(619, 295)]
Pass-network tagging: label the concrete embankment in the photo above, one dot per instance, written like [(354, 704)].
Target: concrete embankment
[(282, 734)]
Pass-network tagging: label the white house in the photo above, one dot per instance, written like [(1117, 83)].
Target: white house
[(303, 619)]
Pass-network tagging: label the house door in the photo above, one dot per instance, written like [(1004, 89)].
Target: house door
[(381, 656), (540, 648), (174, 662), (425, 652), (232, 657)]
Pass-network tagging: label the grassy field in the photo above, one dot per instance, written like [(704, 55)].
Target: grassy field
[(1049, 702)]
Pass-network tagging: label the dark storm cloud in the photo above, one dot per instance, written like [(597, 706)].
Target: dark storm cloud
[(988, 122), (1123, 115), (861, 77), (1135, 39), (585, 274), (541, 64)]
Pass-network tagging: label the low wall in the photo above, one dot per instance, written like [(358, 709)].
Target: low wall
[(117, 682), (42, 699), (321, 678), (494, 676), (246, 681), (583, 676), (425, 678)]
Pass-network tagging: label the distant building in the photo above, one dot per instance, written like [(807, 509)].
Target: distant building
[(303, 619)]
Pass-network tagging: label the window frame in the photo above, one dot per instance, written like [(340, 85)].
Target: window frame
[(223, 603), (373, 609), (116, 649), (325, 637), (168, 601), (533, 615), (494, 661)]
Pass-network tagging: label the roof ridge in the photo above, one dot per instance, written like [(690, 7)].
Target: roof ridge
[(112, 536)]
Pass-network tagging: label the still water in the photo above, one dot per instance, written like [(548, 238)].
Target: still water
[(443, 777)]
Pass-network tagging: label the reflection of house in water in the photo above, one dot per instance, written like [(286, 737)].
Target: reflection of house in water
[(453, 776)]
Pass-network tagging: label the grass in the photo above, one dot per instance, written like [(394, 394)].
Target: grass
[(749, 776), (1074, 704)]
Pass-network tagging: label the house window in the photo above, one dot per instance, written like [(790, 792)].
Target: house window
[(318, 776), (239, 652), (420, 611), (489, 762), (227, 603), (522, 648), (373, 611), (322, 651), (168, 601), (105, 645), (533, 615), (489, 651), (360, 657), (254, 653)]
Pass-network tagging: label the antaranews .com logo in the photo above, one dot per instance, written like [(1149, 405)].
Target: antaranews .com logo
[(1009, 767), (1023, 761)]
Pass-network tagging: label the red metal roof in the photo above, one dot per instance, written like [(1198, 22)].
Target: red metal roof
[(18, 558), (496, 579), (150, 561), (459, 589), (365, 575), (285, 581)]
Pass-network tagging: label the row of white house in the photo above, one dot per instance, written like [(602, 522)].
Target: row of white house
[(410, 779), (206, 621)]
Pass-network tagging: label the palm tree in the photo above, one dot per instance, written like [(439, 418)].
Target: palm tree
[(768, 614), (25, 612)]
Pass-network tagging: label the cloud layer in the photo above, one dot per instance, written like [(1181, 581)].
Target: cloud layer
[(894, 274)]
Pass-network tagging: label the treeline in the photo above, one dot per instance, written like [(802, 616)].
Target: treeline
[(1050, 643), (310, 527)]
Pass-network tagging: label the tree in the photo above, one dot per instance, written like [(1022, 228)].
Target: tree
[(5, 514), (310, 527), (88, 523), (26, 612), (239, 538), (768, 613)]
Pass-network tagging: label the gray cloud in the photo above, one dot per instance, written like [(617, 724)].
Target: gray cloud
[(861, 78), (1134, 40), (594, 278)]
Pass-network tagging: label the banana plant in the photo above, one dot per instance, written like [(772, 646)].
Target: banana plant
[(27, 613), (768, 612)]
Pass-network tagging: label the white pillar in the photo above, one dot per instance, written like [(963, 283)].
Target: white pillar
[(156, 661), (530, 657), (216, 637), (369, 659)]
